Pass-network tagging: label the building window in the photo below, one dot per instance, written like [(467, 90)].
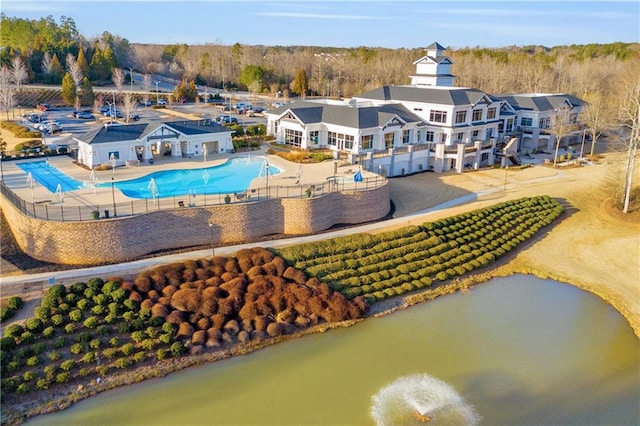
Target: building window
[(461, 116), (544, 123), (333, 139), (430, 136), (475, 134), (348, 142), (388, 140), (491, 113), (509, 127), (438, 116), (443, 138), (114, 154), (417, 109), (406, 136), (477, 115), (366, 142), (526, 121), (458, 137), (314, 137), (293, 137), (484, 157)]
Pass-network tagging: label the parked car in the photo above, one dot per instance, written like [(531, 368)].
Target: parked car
[(134, 117), (44, 107), (145, 103), (105, 108), (52, 127), (162, 101), (84, 111), (33, 117), (85, 115), (226, 119)]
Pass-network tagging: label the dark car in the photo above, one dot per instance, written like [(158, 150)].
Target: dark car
[(134, 117), (33, 118)]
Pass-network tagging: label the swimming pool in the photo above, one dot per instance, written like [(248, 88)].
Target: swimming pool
[(234, 175), (50, 177)]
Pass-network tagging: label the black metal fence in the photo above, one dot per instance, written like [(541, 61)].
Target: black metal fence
[(81, 208)]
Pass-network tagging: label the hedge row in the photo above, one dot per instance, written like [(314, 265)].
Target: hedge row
[(393, 263)]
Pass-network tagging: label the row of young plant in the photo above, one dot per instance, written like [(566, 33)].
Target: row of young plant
[(393, 263), (86, 330)]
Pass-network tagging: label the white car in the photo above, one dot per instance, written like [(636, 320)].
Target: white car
[(162, 101)]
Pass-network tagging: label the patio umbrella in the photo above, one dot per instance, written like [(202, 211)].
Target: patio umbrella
[(358, 176)]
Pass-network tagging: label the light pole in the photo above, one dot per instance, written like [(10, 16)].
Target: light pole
[(131, 78), (113, 197), (156, 82), (266, 166), (113, 110), (213, 250), (112, 157)]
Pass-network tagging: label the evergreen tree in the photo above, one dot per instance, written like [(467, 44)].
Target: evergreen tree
[(100, 69), (82, 61), (300, 85), (56, 71), (68, 89), (86, 92)]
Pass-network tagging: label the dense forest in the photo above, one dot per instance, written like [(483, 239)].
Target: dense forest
[(50, 49)]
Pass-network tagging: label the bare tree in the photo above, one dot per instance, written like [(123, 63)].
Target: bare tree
[(595, 116), (561, 126), (6, 93), (146, 85), (630, 117), (18, 72), (118, 78), (46, 63), (74, 69), (128, 106)]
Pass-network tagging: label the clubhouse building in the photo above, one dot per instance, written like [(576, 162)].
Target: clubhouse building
[(427, 125)]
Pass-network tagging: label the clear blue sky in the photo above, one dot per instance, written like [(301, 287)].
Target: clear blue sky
[(373, 23)]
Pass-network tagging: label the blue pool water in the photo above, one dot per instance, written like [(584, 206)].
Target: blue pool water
[(234, 175), (50, 177)]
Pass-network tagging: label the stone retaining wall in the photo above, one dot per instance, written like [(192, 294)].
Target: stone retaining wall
[(128, 238)]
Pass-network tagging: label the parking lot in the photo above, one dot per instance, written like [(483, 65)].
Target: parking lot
[(68, 125)]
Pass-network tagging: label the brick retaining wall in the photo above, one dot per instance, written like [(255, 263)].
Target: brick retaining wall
[(128, 238)]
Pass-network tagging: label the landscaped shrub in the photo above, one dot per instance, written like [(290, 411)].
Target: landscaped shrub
[(15, 303)]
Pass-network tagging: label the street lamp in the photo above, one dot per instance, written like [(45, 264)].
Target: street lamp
[(156, 82), (131, 78), (112, 157), (113, 197), (213, 251), (266, 165)]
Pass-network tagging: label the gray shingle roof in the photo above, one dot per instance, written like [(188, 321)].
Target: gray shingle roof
[(363, 117), (197, 127), (131, 132), (541, 102), (105, 134), (433, 95)]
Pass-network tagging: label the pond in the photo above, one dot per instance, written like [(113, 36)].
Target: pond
[(518, 350)]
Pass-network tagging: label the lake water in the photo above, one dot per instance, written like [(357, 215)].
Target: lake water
[(519, 350)]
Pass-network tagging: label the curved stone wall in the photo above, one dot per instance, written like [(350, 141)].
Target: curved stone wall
[(128, 238)]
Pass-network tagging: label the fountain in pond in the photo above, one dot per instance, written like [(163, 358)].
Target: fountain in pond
[(418, 399)]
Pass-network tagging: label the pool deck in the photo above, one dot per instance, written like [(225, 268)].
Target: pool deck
[(16, 179)]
